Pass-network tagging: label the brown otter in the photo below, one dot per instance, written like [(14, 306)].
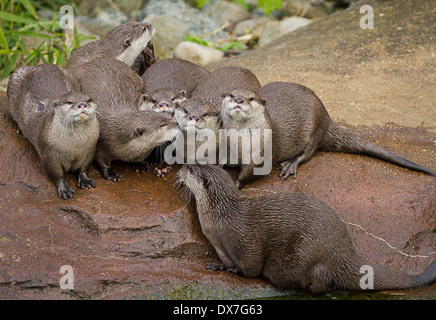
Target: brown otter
[(174, 74), (222, 80), (300, 124), (61, 124), (162, 100), (125, 133), (292, 238), (125, 43), (203, 118)]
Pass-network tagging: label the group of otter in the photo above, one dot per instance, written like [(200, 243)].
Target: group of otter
[(101, 106)]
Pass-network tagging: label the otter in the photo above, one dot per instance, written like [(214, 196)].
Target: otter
[(198, 115), (125, 43), (57, 120), (174, 74), (292, 239), (300, 125), (168, 82), (126, 133), (225, 79)]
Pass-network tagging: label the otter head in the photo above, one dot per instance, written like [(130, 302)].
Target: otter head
[(75, 108), (205, 181), (193, 113), (162, 100), (129, 39), (241, 105), (139, 132)]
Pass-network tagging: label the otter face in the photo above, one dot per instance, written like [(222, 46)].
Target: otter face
[(205, 179), (162, 100), (134, 37), (241, 104), (195, 114), (75, 108)]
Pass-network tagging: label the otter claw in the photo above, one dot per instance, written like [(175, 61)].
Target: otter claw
[(110, 175), (65, 192)]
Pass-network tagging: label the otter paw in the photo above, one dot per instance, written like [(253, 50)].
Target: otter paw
[(85, 182), (65, 191), (142, 167), (110, 175), (288, 168), (162, 172), (215, 266)]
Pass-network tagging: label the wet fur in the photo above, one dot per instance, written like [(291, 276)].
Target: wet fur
[(125, 133), (124, 43), (42, 102), (292, 239)]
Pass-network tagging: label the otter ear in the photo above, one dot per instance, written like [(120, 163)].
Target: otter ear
[(127, 42), (144, 97), (41, 106), (183, 94), (139, 132)]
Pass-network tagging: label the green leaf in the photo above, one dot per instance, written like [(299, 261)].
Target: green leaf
[(201, 3), (29, 7), (243, 4), (13, 17), (4, 42), (269, 5), (195, 39)]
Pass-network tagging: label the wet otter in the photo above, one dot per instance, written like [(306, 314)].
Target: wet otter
[(168, 82), (125, 133), (198, 115), (292, 238), (301, 125), (222, 80), (61, 124), (125, 43), (162, 100)]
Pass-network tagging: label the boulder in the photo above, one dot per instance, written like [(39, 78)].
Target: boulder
[(197, 53)]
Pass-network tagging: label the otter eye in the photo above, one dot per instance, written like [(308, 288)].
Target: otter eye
[(251, 99), (153, 101), (173, 99), (205, 114), (231, 96), (126, 43), (185, 111), (162, 125), (70, 103), (191, 170)]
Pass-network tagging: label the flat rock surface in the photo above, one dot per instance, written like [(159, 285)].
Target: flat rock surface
[(137, 238)]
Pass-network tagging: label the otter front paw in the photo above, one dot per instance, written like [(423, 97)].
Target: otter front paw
[(162, 172), (142, 166), (85, 182), (65, 191), (110, 175)]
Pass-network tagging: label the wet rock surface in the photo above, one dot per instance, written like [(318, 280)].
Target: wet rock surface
[(138, 239)]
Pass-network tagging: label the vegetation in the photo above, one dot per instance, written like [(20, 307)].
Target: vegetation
[(26, 39), (267, 5)]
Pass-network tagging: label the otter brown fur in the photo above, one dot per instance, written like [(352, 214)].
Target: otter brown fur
[(301, 125), (222, 80), (61, 124), (291, 238), (125, 43), (199, 115), (168, 82), (126, 134)]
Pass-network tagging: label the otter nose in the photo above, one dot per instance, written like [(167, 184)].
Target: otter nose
[(81, 106), (239, 100), (193, 118)]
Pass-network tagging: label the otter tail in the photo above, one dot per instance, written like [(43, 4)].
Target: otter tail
[(380, 278), (337, 139)]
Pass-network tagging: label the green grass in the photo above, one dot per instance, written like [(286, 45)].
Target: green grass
[(26, 39)]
